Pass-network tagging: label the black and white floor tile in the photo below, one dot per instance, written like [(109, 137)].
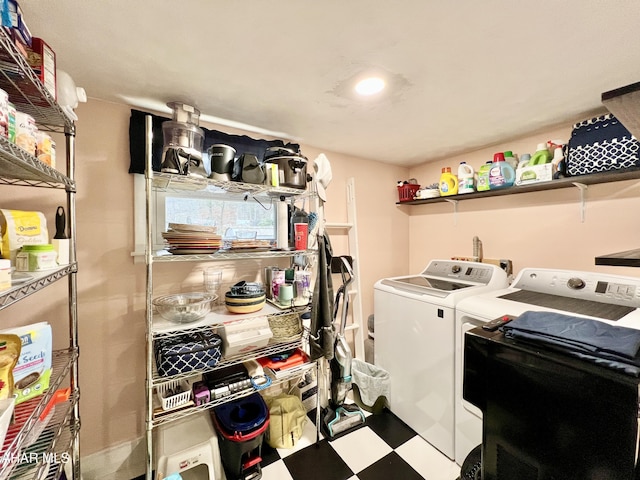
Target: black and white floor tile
[(384, 448)]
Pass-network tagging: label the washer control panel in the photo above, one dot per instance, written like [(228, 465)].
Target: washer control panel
[(586, 285)]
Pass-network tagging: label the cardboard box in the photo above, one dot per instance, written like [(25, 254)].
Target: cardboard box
[(535, 174), (242, 336), (42, 59), (18, 25)]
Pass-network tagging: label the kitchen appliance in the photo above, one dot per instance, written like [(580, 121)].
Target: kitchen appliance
[(415, 325), (292, 166), (221, 158), (548, 414), (183, 140), (607, 298)]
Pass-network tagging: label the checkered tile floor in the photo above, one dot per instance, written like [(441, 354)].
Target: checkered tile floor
[(384, 448)]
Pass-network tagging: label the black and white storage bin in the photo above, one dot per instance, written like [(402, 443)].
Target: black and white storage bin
[(187, 352), (601, 144)]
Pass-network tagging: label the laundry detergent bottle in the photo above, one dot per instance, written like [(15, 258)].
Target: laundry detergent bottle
[(465, 178), (448, 183), (482, 184), (502, 174), (542, 155)]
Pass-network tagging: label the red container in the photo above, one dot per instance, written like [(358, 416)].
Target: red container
[(407, 191)]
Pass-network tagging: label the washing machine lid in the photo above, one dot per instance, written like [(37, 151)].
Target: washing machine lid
[(423, 284), (441, 278)]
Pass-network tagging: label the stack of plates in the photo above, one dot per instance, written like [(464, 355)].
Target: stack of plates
[(184, 239), (248, 245)]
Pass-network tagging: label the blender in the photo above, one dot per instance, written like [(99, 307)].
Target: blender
[(183, 140)]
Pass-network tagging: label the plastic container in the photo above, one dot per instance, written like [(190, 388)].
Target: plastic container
[(482, 184), (511, 159), (501, 174), (12, 123), (35, 258), (448, 183), (525, 158), (407, 191), (5, 276), (174, 394), (465, 178), (542, 155)]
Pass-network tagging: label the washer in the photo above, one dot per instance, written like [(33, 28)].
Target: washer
[(415, 327), (608, 298)]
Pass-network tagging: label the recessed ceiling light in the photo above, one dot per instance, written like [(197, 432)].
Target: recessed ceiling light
[(370, 86)]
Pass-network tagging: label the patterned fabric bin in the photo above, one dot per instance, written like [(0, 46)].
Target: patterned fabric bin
[(187, 352), (601, 144)]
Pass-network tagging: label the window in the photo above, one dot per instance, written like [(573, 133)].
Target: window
[(232, 215)]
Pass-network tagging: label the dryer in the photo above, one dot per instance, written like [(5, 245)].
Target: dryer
[(608, 298), (415, 326)]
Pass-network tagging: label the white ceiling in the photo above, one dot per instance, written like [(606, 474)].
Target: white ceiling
[(466, 73)]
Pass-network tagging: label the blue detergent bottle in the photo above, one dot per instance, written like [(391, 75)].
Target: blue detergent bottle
[(501, 174)]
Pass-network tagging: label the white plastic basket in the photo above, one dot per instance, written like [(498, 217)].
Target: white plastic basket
[(173, 394)]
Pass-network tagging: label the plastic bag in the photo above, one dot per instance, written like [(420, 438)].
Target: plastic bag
[(287, 417)]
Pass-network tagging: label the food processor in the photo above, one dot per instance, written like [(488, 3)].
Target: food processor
[(183, 140)]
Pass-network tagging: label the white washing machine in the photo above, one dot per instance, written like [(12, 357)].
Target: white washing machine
[(415, 327), (608, 298)]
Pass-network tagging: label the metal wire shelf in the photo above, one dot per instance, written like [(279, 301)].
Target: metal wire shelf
[(39, 281), (26, 91), (26, 418), (162, 418), (183, 183)]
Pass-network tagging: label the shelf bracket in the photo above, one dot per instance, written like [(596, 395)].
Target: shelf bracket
[(583, 189), (455, 209)]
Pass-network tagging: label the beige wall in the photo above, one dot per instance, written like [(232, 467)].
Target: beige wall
[(537, 229), (111, 295), (541, 229)]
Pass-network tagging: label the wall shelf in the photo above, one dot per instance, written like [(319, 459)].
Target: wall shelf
[(569, 182)]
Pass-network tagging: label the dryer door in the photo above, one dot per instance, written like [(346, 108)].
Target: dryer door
[(468, 418)]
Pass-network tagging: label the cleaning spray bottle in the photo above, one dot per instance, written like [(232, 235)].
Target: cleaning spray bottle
[(465, 178), (448, 183), (502, 174)]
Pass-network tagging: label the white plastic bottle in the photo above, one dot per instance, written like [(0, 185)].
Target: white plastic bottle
[(465, 178)]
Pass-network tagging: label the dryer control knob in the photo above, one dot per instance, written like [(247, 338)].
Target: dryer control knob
[(455, 269), (576, 283)]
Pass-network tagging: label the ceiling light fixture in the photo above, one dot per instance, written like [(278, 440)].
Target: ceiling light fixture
[(370, 86)]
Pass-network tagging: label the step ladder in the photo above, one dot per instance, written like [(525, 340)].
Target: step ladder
[(350, 229)]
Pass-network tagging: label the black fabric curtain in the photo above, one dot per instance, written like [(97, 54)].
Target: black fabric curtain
[(242, 143)]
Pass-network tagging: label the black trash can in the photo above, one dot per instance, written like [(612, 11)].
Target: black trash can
[(241, 425)]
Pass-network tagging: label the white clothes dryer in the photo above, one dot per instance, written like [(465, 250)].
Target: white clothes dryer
[(415, 326), (608, 298)]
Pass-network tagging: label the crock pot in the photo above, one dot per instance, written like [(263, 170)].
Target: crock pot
[(292, 170)]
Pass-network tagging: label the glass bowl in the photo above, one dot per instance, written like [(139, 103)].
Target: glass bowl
[(184, 307)]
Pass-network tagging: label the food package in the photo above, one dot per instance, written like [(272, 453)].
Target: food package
[(42, 59), (9, 352), (32, 372), (21, 228)]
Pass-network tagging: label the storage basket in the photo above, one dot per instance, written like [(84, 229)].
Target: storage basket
[(285, 328), (407, 191), (173, 394), (187, 352), (601, 144)]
